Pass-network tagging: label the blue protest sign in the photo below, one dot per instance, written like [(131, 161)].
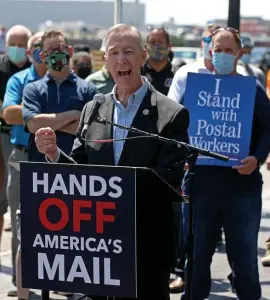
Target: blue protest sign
[(221, 115), (78, 229)]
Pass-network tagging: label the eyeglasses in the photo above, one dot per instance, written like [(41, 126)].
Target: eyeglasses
[(234, 31), (230, 29), (207, 39), (36, 45), (49, 51)]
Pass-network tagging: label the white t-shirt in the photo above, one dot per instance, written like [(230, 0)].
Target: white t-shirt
[(178, 86)]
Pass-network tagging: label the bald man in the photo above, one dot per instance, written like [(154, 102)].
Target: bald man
[(14, 60), (12, 113)]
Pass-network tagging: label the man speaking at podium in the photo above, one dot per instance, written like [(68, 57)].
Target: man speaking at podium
[(133, 101)]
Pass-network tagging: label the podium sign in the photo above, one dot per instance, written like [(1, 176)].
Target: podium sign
[(78, 227)]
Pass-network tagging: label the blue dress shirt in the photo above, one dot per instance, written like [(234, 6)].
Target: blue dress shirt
[(45, 96), (125, 115)]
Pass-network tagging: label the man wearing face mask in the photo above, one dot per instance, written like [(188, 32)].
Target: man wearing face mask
[(14, 60), (176, 93), (247, 46), (237, 204), (81, 64), (158, 68), (58, 98), (12, 113), (203, 65)]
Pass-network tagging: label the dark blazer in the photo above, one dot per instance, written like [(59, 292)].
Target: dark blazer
[(165, 117), (171, 120)]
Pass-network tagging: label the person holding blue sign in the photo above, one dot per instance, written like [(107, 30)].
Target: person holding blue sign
[(203, 66), (228, 195), (132, 101), (177, 91)]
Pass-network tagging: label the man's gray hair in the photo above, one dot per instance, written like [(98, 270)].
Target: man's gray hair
[(34, 37), (123, 29), (18, 29)]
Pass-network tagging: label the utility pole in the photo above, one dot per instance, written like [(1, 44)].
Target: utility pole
[(234, 14), (137, 17), (118, 11)]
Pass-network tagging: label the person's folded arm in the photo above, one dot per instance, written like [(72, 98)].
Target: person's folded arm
[(71, 128), (78, 154), (54, 121), (33, 115)]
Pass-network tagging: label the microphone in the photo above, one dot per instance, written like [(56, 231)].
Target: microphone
[(99, 99), (188, 147)]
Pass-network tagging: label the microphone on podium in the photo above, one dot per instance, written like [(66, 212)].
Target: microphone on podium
[(99, 99)]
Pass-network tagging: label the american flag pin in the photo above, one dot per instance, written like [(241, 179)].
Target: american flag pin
[(146, 112)]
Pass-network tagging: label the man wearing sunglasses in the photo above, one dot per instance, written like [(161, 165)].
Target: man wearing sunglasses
[(176, 93), (232, 197), (204, 65), (58, 98)]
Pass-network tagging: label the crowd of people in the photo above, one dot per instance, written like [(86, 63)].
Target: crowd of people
[(45, 86)]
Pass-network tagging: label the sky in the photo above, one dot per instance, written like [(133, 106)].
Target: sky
[(199, 11)]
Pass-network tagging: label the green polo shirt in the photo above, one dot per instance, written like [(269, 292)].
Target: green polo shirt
[(102, 80)]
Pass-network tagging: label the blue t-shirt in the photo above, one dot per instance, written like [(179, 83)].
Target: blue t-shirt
[(13, 96), (45, 96)]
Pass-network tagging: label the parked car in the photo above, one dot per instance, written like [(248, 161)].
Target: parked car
[(188, 54), (257, 55)]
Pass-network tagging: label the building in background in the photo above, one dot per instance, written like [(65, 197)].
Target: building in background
[(90, 14)]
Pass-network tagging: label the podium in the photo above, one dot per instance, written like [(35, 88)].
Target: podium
[(97, 230)]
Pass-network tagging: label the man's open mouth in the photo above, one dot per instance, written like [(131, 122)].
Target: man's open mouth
[(124, 73)]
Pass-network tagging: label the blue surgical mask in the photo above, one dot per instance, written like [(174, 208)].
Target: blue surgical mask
[(245, 59), (16, 54), (223, 63), (205, 51)]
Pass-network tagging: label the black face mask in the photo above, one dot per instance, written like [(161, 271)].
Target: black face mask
[(84, 72)]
